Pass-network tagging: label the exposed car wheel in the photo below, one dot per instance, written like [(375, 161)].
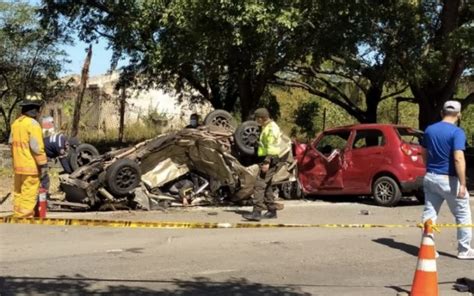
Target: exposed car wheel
[(246, 137), (420, 196), (122, 177), (220, 118), (82, 155), (291, 190), (386, 191), (286, 190), (297, 191)]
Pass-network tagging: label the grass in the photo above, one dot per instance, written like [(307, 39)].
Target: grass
[(133, 134)]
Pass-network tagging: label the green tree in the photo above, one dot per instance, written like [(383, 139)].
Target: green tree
[(29, 59), (435, 50), (358, 79), (226, 50)]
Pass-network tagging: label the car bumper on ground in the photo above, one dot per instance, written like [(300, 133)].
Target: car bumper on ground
[(412, 185)]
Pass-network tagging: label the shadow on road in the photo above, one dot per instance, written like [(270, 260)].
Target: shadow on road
[(412, 250), (390, 242), (80, 285)]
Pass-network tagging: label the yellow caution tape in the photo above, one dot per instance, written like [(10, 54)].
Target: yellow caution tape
[(199, 225)]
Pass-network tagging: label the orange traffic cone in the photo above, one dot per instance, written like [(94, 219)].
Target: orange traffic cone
[(425, 282)]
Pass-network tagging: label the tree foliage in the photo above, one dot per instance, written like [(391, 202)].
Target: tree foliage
[(226, 50), (29, 58), (435, 50), (354, 54)]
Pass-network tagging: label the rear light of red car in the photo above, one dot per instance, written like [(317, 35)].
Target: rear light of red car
[(406, 149), (413, 152)]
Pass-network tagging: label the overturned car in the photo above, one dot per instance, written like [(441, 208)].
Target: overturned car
[(191, 166)]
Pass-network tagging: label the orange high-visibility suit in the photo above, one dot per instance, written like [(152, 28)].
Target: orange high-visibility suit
[(28, 153)]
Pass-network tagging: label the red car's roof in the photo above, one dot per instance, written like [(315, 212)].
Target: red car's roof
[(367, 125)]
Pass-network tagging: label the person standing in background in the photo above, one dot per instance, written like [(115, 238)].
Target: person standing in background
[(29, 158), (268, 153), (445, 177)]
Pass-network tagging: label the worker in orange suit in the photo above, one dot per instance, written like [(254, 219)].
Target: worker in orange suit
[(29, 158)]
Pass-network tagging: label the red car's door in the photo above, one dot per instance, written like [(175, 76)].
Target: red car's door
[(363, 159), (311, 170), (320, 168)]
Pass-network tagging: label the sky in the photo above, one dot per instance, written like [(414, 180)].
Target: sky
[(100, 62), (101, 56)]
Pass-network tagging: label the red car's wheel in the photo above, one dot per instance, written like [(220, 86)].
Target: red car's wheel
[(386, 191)]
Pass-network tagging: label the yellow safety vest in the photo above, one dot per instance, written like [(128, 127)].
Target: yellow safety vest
[(26, 140), (270, 138)]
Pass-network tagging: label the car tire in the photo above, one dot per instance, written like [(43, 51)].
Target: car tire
[(291, 190), (122, 177), (297, 191), (286, 190), (420, 196), (82, 155), (246, 137), (221, 118), (386, 191)]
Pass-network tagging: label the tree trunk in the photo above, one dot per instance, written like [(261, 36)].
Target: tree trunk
[(247, 100), (372, 99), (123, 101), (80, 96), (7, 125), (428, 112)]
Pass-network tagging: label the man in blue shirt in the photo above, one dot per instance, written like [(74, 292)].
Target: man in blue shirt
[(445, 177), (56, 146)]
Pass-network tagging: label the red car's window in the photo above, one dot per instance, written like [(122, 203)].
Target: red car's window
[(368, 138), (410, 135), (333, 140)]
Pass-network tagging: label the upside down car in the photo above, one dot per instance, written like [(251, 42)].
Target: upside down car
[(191, 166)]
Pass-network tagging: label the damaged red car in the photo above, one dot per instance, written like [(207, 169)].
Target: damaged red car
[(379, 160)]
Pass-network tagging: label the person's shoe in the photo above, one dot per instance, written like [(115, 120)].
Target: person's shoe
[(270, 215), (469, 254), (254, 216)]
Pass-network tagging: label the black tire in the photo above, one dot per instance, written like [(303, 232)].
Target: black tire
[(420, 195), (291, 190), (297, 191), (82, 155), (286, 190), (386, 191), (221, 118), (122, 177), (246, 137)]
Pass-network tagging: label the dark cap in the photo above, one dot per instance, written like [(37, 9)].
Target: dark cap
[(262, 112)]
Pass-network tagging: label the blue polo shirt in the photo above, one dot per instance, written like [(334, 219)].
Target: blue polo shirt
[(441, 140)]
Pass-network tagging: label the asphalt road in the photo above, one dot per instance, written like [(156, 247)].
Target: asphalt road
[(54, 260)]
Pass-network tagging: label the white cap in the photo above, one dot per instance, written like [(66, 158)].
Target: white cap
[(452, 106)]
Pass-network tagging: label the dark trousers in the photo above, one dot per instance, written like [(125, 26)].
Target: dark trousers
[(263, 198)]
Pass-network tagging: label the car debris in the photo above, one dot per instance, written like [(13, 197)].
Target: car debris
[(194, 166)]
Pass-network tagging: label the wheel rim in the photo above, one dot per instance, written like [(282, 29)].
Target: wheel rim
[(222, 122), (286, 188), (126, 178), (84, 157), (250, 136), (384, 191)]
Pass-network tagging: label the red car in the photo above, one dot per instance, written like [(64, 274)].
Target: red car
[(382, 160)]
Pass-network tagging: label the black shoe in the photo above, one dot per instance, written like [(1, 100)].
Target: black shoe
[(270, 215), (254, 216)]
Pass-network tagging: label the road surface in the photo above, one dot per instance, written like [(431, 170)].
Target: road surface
[(73, 260)]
